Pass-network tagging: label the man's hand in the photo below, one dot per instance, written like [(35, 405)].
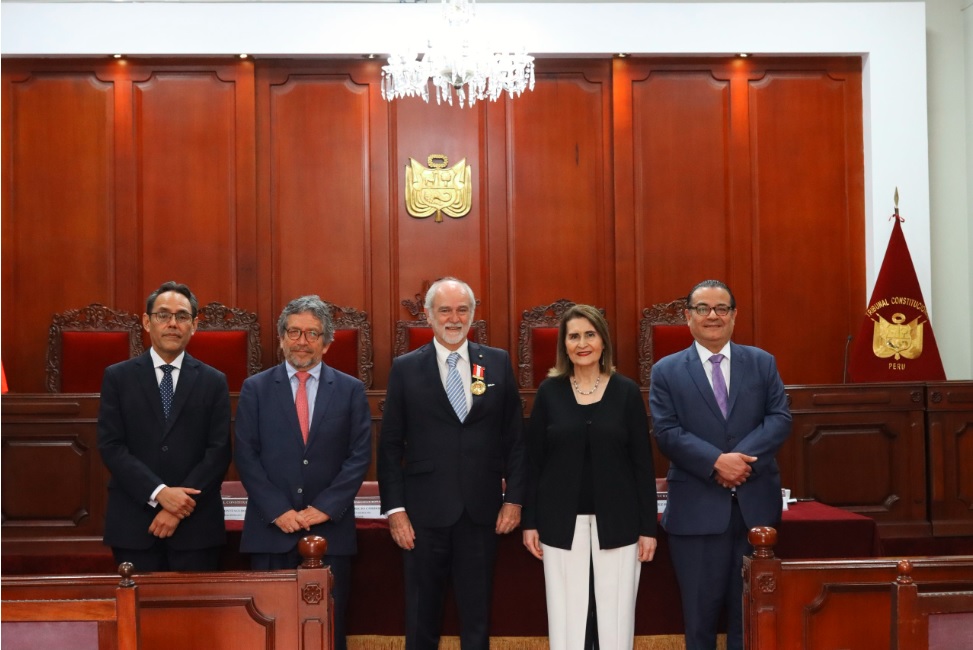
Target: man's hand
[(647, 547), (164, 524), (292, 521), (533, 543), (313, 516), (733, 469), (177, 500), (402, 531), (508, 519)]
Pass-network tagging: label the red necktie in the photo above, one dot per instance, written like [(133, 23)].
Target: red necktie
[(301, 402)]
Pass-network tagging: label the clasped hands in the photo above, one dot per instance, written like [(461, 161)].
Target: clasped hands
[(177, 504), (293, 521), (733, 469)]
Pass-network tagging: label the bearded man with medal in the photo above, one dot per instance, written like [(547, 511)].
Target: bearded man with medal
[(451, 435)]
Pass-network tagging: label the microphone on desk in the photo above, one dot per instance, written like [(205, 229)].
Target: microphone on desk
[(844, 375)]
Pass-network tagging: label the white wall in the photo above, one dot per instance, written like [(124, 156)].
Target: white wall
[(902, 146)]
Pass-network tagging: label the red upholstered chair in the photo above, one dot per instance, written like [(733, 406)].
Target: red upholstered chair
[(351, 349), (537, 346), (662, 331), (412, 334), (228, 339), (83, 342)]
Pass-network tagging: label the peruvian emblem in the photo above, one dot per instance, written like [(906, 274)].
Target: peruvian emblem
[(438, 189), (898, 338)]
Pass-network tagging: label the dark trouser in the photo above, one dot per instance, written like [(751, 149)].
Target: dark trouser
[(467, 551), (708, 570), (340, 566), (162, 557)]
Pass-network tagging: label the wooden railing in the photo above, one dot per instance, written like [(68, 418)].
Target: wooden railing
[(809, 604)]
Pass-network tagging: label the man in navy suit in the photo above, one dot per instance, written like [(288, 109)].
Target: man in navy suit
[(303, 445), (164, 434), (722, 444), (451, 433)]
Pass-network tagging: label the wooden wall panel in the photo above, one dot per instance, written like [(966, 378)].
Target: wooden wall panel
[(619, 184), (319, 180), (57, 206), (949, 430), (187, 205), (559, 194), (806, 141), (680, 132)]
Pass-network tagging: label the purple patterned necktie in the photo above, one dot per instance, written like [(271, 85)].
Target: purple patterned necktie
[(719, 384)]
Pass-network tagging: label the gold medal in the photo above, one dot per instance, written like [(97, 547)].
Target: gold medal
[(479, 373)]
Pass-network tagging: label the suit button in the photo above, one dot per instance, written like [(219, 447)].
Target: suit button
[(305, 461), (165, 448), (300, 490)]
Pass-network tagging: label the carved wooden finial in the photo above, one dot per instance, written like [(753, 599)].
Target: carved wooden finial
[(905, 572), (126, 570), (312, 548), (763, 539)]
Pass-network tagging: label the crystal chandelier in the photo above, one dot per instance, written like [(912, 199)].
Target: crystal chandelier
[(453, 62)]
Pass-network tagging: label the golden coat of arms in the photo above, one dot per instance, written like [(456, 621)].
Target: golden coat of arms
[(898, 338), (438, 189)]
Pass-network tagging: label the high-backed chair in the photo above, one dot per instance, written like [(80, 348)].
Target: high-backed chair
[(412, 334), (81, 343), (537, 343), (662, 331), (351, 349), (228, 339)]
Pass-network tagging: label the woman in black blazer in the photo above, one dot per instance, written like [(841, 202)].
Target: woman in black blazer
[(591, 486)]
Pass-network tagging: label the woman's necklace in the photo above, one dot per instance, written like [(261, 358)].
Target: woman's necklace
[(578, 390)]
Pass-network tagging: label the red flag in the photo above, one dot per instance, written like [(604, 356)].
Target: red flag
[(896, 342)]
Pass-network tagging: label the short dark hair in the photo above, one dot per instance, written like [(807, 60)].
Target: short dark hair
[(166, 287), (563, 366), (710, 284), (308, 304)]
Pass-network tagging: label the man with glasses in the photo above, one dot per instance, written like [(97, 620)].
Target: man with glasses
[(719, 413), (303, 445), (164, 435)]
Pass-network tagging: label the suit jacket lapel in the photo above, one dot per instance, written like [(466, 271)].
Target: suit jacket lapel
[(321, 402), (284, 397), (738, 375), (187, 377), (145, 376), (429, 370), (698, 375), (477, 358)]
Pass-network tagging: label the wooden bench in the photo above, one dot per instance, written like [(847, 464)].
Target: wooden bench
[(226, 610), (941, 619), (117, 618), (844, 603)]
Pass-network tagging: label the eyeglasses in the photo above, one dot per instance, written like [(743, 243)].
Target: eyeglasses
[(704, 310), (163, 317), (310, 335)]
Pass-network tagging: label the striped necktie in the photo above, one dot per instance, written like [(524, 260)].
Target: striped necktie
[(454, 387)]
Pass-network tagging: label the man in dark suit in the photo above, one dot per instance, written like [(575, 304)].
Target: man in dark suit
[(451, 433), (303, 446), (722, 444), (164, 434)]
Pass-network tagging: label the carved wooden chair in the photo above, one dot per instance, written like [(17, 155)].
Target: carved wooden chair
[(537, 343), (939, 618), (662, 331), (228, 339), (351, 349), (412, 334), (81, 343)]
